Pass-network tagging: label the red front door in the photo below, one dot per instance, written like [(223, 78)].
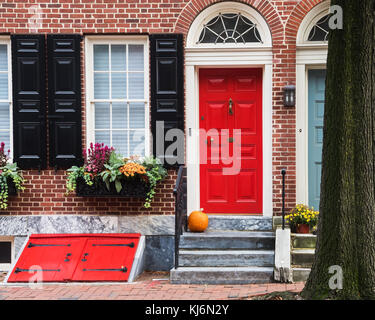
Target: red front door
[(230, 104)]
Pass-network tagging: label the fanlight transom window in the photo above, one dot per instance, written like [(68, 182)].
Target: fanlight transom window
[(320, 30), (229, 28)]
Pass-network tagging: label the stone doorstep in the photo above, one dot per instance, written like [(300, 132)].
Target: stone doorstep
[(303, 257), (222, 275), (222, 240), (239, 223), (303, 241), (300, 274), (226, 258), (302, 254)]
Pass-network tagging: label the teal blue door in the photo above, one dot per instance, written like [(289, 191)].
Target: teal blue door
[(316, 89)]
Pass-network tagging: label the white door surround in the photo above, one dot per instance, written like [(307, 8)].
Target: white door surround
[(306, 60), (310, 55), (226, 56), (193, 62)]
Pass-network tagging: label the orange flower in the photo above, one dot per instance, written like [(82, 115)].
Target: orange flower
[(131, 168)]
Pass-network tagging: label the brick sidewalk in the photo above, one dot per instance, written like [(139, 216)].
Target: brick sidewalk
[(143, 290)]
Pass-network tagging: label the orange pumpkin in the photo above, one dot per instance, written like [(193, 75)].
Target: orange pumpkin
[(198, 221)]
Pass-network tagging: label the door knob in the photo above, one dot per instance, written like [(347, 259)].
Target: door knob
[(230, 106)]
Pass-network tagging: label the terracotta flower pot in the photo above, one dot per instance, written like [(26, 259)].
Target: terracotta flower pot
[(303, 228)]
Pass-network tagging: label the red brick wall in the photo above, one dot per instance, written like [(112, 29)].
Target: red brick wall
[(45, 191)]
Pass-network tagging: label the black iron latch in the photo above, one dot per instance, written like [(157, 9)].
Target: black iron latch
[(35, 270), (31, 245), (123, 269), (131, 245)]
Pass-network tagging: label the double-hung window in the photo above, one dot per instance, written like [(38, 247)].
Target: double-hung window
[(118, 94), (5, 95)]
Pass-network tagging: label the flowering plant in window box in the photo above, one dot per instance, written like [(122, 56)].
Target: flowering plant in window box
[(11, 180), (106, 173), (302, 218)]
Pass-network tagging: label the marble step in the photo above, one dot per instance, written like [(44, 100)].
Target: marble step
[(300, 274), (239, 223), (223, 240), (303, 257), (221, 275), (226, 258), (307, 241)]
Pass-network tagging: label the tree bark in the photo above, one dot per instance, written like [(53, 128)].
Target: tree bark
[(346, 228)]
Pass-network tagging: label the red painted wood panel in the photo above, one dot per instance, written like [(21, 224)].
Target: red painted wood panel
[(106, 259), (239, 189), (48, 259), (62, 257)]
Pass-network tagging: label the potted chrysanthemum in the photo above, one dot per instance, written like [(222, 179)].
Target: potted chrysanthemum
[(302, 218)]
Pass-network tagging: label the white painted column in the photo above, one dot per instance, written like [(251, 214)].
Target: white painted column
[(301, 135), (267, 141), (192, 139)]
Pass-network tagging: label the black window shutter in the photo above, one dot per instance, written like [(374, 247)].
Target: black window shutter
[(29, 105), (167, 96), (64, 100)]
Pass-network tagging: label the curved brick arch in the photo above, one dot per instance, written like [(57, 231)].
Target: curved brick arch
[(264, 7), (296, 17)]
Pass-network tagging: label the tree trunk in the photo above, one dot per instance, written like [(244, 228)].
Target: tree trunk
[(346, 228)]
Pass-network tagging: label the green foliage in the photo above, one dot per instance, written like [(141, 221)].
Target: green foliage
[(155, 173), (9, 172), (73, 174), (112, 172)]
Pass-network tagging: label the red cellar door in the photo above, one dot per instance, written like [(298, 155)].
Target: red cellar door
[(80, 257), (107, 259), (48, 259)]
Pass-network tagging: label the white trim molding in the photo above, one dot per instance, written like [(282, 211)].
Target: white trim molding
[(228, 7), (196, 59), (5, 40), (229, 55), (310, 55)]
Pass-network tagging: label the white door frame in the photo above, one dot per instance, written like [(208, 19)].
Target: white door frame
[(308, 57), (196, 58)]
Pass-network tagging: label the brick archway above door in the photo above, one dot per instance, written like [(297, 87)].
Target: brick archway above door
[(264, 7), (296, 17)]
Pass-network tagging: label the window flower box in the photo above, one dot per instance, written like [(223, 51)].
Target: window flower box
[(107, 174), (134, 187)]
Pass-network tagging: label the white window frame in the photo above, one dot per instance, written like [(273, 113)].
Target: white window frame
[(90, 41), (6, 41), (6, 266)]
